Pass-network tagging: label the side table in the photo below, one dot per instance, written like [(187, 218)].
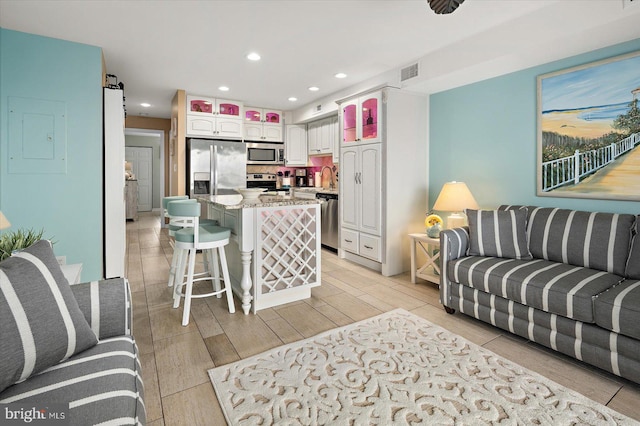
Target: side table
[(430, 271), (72, 272)]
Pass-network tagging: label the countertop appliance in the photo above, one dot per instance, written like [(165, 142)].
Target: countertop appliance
[(263, 180), (329, 220), (215, 167), (265, 153)]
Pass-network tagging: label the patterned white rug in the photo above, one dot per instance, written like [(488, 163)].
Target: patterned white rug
[(395, 368)]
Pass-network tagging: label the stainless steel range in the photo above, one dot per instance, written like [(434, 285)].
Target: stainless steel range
[(263, 180)]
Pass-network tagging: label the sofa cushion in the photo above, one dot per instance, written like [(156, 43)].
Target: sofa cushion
[(101, 384), (40, 321), (553, 287), (498, 233), (618, 309), (593, 240), (633, 263)]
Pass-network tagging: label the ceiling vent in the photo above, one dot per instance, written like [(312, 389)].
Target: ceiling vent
[(630, 3), (409, 72)]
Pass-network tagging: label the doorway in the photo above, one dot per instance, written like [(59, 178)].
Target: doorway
[(142, 160), (151, 139)]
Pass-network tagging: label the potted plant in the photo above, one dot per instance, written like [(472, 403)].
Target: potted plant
[(18, 240)]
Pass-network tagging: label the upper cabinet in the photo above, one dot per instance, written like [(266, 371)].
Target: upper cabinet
[(263, 125), (296, 145), (323, 135), (210, 117), (362, 120)]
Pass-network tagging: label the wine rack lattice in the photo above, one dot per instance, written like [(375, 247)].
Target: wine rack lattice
[(287, 257)]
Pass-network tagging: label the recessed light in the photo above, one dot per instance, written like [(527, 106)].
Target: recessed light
[(145, 104), (253, 56), (223, 88), (314, 88), (340, 75), (293, 99)]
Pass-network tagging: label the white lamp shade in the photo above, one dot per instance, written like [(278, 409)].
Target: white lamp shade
[(4, 222), (455, 197)]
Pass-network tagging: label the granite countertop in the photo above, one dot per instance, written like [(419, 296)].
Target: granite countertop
[(315, 190), (234, 202)]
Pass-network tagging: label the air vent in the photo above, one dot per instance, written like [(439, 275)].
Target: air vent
[(409, 72), (318, 107)]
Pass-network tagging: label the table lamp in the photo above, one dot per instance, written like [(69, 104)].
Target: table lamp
[(455, 197), (4, 223)]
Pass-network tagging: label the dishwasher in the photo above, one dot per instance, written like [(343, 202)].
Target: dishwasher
[(329, 220)]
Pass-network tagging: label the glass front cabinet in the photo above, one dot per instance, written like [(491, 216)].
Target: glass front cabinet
[(214, 117), (263, 124), (362, 120)]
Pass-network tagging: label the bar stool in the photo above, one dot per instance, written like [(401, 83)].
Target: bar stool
[(177, 226), (211, 239)]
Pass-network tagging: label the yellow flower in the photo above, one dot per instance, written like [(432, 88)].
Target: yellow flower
[(432, 220)]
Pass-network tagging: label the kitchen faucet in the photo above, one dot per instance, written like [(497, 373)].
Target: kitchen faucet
[(331, 184)]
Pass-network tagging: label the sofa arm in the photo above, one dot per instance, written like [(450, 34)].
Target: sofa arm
[(106, 305), (453, 245)]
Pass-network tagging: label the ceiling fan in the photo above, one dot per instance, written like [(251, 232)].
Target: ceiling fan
[(444, 6)]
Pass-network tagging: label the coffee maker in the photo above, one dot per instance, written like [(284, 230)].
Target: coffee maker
[(301, 177)]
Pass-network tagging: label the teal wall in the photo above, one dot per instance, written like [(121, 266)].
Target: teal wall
[(67, 205), (484, 134)]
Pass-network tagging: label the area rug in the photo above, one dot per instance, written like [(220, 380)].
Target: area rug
[(395, 369)]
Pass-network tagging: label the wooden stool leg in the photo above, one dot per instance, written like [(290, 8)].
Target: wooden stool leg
[(189, 289), (227, 280)]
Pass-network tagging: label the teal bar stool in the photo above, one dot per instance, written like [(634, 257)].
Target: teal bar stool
[(173, 227), (211, 240), (165, 203)]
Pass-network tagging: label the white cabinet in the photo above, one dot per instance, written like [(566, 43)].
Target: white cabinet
[(383, 177), (296, 145), (362, 119), (263, 125), (335, 139), (361, 200), (322, 136), (210, 117)]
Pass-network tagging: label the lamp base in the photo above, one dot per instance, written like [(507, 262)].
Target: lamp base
[(456, 220)]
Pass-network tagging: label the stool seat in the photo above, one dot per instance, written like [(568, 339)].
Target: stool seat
[(206, 234)]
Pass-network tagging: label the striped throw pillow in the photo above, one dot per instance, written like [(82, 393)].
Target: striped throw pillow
[(40, 321), (495, 233)]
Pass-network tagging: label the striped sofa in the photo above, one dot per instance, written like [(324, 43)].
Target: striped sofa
[(100, 385), (573, 285)]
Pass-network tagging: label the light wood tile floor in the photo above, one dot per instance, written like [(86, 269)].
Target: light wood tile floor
[(175, 359)]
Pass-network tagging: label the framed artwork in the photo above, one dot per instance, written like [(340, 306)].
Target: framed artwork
[(589, 130)]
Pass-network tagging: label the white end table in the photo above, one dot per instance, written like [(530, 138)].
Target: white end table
[(72, 272), (430, 271)]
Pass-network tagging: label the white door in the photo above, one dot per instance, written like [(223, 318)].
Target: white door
[(371, 189), (142, 160), (349, 168)]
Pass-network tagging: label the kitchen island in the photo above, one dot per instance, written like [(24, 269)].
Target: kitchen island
[(274, 252)]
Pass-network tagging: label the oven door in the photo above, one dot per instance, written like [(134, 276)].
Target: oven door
[(265, 153)]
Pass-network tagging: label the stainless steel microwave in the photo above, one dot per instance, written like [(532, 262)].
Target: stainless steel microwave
[(265, 153)]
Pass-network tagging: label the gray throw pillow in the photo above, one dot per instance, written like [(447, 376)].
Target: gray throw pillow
[(495, 233), (40, 321)]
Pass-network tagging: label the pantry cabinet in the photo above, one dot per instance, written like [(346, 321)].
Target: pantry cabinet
[(383, 177), (211, 117), (263, 125), (361, 199)]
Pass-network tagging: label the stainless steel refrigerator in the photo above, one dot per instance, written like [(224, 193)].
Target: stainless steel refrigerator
[(215, 167)]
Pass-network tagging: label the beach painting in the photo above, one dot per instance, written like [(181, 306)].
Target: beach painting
[(589, 130)]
